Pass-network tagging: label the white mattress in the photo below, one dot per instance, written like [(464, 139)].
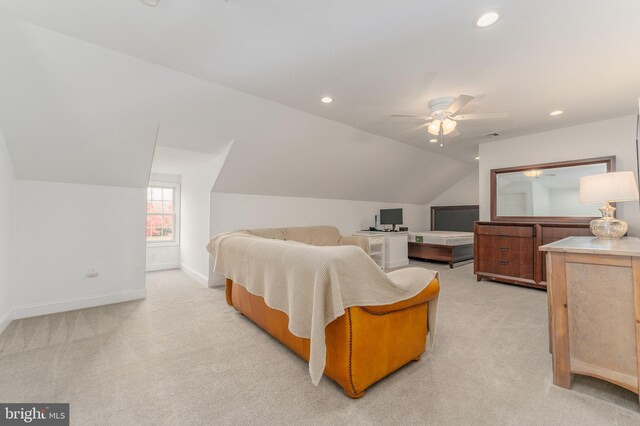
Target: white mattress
[(445, 238)]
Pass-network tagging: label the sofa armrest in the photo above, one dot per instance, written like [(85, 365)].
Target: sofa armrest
[(429, 293), (355, 240)]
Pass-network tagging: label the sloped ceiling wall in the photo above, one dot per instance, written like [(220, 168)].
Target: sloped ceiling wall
[(76, 112), (65, 108)]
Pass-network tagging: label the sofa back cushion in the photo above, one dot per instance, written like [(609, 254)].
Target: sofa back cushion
[(271, 233), (313, 235)]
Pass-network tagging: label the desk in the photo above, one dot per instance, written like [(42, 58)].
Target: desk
[(594, 300), (396, 244)]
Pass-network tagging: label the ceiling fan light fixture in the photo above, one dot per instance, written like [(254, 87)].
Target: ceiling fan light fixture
[(448, 126), (434, 127), (487, 19), (151, 3)]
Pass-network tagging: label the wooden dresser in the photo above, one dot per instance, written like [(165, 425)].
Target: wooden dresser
[(594, 300), (508, 251)]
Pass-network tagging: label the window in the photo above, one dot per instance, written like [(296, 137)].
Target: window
[(162, 213)]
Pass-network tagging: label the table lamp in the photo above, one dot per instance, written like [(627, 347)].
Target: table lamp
[(608, 188)]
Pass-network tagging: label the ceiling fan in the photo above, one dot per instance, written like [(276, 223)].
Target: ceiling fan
[(442, 118)]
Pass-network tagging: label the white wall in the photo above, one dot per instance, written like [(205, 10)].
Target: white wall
[(162, 257), (463, 193), (230, 212), (598, 139), (7, 233), (196, 215), (165, 256), (67, 229)]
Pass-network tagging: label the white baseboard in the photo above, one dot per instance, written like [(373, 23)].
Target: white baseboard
[(5, 320), (162, 267), (46, 308), (194, 274)]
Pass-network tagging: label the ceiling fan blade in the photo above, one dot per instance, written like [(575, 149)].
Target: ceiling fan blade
[(413, 129), (489, 115), (459, 103), (410, 115)]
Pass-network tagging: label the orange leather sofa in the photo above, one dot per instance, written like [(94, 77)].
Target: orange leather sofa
[(363, 346)]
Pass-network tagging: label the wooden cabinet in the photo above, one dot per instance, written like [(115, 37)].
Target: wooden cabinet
[(594, 300), (508, 252), (505, 253)]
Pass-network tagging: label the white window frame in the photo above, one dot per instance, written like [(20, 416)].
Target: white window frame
[(176, 214)]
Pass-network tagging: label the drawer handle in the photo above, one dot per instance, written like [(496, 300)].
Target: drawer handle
[(502, 235), (503, 262), (504, 248)]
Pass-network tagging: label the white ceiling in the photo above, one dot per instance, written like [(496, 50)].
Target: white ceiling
[(73, 111), (379, 57), (174, 161)]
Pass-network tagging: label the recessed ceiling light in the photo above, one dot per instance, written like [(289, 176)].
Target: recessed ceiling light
[(326, 100), (477, 158), (556, 112), (433, 140), (487, 19), (152, 3)]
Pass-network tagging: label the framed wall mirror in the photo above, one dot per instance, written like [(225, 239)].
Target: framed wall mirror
[(545, 192)]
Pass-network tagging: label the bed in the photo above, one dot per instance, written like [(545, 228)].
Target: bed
[(450, 238)]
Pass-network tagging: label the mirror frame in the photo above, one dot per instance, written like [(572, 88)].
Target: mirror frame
[(609, 161)]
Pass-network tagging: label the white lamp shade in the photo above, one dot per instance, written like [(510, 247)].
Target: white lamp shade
[(434, 127), (448, 126), (614, 186)]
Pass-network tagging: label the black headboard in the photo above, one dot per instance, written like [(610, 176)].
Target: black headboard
[(454, 218)]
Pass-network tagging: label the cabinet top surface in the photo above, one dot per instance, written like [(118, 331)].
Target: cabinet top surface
[(533, 223), (628, 246), (381, 233)]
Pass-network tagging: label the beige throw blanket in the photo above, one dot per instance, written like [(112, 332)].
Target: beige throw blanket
[(314, 285)]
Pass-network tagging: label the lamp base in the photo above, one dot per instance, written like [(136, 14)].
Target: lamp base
[(608, 227)]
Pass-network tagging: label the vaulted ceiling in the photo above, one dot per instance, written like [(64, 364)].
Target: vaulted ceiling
[(72, 111), (380, 57)]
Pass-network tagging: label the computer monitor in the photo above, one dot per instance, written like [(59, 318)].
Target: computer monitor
[(391, 217)]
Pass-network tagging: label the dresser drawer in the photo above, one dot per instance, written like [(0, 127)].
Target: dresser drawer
[(516, 263), (553, 234), (505, 243), (505, 231)]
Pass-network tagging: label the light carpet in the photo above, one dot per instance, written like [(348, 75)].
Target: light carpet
[(182, 356)]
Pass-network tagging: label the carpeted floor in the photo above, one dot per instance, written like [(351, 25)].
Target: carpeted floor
[(182, 356)]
